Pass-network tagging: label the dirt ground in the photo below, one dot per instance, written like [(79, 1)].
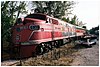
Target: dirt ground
[(87, 57), (69, 55)]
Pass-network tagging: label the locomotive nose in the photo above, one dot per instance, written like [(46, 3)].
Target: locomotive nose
[(23, 33)]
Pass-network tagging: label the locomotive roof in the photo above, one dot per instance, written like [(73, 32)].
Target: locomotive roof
[(60, 21), (70, 24), (77, 27)]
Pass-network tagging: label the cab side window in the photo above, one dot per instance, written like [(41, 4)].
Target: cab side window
[(48, 20), (54, 21)]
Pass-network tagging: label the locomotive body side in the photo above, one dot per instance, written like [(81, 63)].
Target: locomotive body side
[(38, 33), (80, 31)]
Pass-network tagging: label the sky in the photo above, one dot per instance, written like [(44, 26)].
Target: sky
[(88, 12)]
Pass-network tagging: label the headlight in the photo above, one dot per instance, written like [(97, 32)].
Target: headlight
[(17, 37)]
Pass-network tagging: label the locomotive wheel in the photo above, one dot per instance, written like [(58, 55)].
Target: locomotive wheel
[(39, 50), (52, 45), (60, 42), (46, 47), (56, 44), (49, 46)]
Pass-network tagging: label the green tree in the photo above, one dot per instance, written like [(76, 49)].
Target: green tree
[(53, 8), (8, 18), (73, 20), (66, 19), (94, 30)]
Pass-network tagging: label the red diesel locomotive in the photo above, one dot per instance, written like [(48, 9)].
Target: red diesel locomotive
[(38, 33)]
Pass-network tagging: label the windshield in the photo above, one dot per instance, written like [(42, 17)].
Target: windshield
[(37, 16)]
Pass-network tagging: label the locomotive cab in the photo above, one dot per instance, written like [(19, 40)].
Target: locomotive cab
[(25, 33)]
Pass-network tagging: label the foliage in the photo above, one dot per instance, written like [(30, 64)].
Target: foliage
[(73, 20), (53, 8), (66, 20), (8, 17), (94, 30)]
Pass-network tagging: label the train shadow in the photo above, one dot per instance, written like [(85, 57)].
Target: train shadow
[(79, 46)]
